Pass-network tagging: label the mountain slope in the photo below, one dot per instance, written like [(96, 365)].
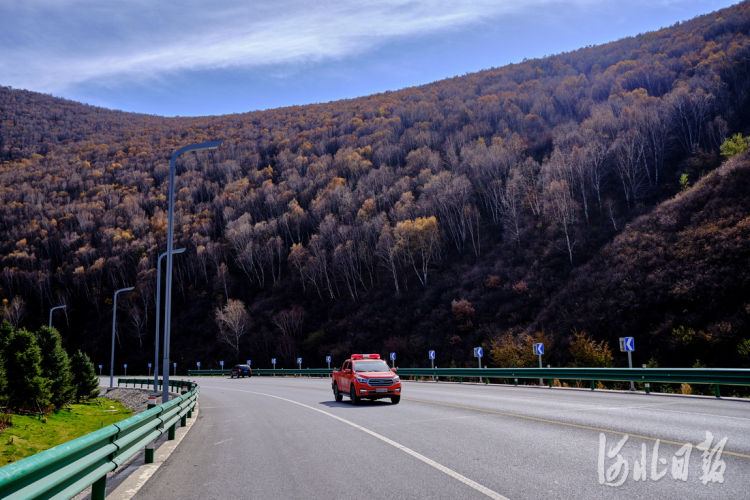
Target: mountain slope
[(436, 217), (676, 279)]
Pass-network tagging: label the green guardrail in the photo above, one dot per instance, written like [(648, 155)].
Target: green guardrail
[(713, 376), (320, 372), (145, 383), (66, 470)]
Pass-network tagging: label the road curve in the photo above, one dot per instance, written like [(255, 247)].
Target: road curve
[(287, 438)]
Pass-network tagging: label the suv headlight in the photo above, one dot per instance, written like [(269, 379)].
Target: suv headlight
[(362, 380), (396, 379)]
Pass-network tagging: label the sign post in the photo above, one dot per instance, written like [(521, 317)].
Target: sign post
[(627, 344), (149, 370), (478, 353), (199, 365), (299, 363), (126, 370), (431, 355), (100, 370), (174, 366), (273, 362), (328, 360), (539, 350), (393, 360)]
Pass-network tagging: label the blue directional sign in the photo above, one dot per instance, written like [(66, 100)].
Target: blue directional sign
[(199, 364), (393, 356), (478, 352), (273, 361), (249, 362), (126, 366), (431, 354), (629, 344), (299, 361), (175, 364), (539, 348), (149, 365), (100, 366), (221, 363), (328, 359)]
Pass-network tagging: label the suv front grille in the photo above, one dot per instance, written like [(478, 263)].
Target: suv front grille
[(380, 382)]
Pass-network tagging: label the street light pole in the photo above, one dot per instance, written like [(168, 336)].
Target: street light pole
[(170, 251), (114, 316), (50, 312), (158, 320)]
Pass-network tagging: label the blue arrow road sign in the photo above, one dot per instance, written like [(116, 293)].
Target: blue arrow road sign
[(478, 352), (199, 364), (249, 362), (539, 348), (431, 354), (273, 361), (149, 365), (393, 356), (126, 366), (299, 361), (221, 363), (100, 366), (328, 359), (175, 364), (629, 344)]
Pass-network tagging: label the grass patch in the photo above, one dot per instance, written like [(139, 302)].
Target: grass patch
[(30, 435)]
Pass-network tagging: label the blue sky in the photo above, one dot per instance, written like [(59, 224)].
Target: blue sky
[(193, 57)]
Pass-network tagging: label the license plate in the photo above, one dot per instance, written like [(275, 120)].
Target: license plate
[(381, 390)]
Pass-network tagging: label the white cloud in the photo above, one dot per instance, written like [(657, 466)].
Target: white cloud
[(52, 45)]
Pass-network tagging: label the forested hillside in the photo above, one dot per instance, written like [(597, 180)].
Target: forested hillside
[(547, 197)]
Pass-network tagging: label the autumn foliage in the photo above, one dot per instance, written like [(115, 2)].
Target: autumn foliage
[(541, 194)]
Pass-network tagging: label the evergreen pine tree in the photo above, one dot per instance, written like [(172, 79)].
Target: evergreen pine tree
[(27, 388), (6, 329), (55, 366), (85, 381)]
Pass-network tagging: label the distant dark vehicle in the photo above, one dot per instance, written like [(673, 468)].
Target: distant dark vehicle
[(241, 371)]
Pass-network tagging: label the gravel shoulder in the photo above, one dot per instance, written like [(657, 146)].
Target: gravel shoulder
[(132, 398)]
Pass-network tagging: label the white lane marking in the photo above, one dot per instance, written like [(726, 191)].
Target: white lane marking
[(455, 475), (220, 442)]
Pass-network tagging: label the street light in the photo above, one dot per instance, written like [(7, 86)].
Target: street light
[(50, 312), (158, 310), (170, 251), (112, 359)]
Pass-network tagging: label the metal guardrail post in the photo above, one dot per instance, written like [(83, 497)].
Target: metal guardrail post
[(149, 457), (593, 385), (716, 391), (99, 488)]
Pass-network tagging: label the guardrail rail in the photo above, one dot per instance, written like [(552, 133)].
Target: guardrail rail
[(67, 469), (711, 376)]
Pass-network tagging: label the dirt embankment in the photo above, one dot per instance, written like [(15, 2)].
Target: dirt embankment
[(131, 398)]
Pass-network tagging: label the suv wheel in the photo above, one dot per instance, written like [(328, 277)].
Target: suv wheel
[(336, 394)]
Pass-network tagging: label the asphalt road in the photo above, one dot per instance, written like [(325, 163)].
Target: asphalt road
[(287, 438)]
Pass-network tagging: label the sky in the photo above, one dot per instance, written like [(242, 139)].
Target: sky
[(194, 57)]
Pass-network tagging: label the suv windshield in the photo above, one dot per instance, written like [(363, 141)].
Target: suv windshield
[(242, 367), (371, 366)]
